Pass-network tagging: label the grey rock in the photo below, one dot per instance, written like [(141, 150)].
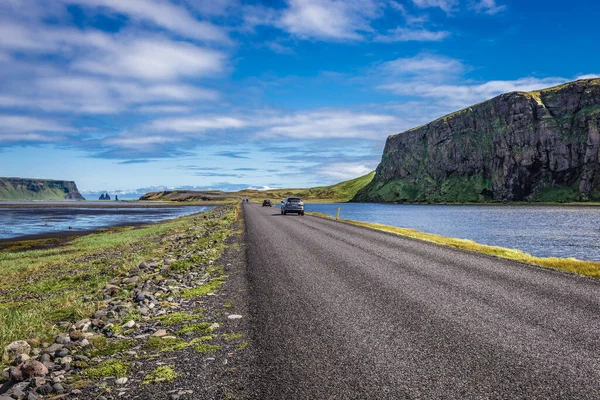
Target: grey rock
[(14, 349), (33, 368), (53, 348), (62, 338), (58, 388), (45, 389), (18, 394)]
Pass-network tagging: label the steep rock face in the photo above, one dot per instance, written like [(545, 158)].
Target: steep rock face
[(537, 146), (38, 189)]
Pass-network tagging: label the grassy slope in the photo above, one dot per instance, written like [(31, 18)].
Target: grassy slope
[(586, 268), (340, 192), (41, 287), (8, 191)]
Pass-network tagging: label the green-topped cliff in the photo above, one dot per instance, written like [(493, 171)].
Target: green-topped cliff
[(38, 189), (536, 146)]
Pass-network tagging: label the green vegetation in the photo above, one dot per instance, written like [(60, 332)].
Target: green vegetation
[(587, 268), (340, 192), (207, 348), (230, 337), (217, 279), (165, 344), (163, 373), (203, 327), (455, 189), (37, 189), (178, 318), (110, 348), (115, 368), (40, 287)]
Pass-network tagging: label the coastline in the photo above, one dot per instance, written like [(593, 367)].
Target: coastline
[(103, 204)]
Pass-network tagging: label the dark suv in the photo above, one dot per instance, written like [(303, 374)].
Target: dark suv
[(266, 203), (292, 205)]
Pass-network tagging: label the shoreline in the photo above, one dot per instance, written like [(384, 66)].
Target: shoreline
[(99, 204)]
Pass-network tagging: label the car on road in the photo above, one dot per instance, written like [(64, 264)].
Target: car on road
[(293, 205), (266, 203)]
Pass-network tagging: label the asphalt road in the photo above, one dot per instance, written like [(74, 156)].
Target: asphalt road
[(343, 312)]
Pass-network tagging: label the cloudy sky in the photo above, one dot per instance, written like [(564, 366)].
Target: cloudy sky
[(130, 94)]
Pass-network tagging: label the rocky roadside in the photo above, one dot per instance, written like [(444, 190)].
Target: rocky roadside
[(171, 328)]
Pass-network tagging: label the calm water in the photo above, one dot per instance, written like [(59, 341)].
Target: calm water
[(15, 222), (541, 231)]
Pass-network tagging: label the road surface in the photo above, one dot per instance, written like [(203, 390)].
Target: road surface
[(343, 312)]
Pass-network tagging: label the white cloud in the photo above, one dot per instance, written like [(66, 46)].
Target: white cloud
[(196, 124), (344, 171), (328, 124), (139, 142), (446, 5), (422, 64), (20, 124), (412, 35), (333, 19), (153, 58), (462, 95), (163, 14), (163, 109), (16, 128), (488, 7)]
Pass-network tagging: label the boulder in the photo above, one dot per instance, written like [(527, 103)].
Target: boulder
[(14, 349), (33, 368)]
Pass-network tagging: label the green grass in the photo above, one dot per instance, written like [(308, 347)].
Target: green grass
[(34, 189), (202, 327), (115, 368), (163, 373), (586, 268), (207, 348), (165, 344), (340, 192), (111, 348), (230, 337), (41, 287), (178, 318)]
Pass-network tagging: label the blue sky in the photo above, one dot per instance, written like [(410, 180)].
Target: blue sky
[(141, 94)]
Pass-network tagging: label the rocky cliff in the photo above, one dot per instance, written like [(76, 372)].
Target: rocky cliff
[(536, 146), (38, 189)]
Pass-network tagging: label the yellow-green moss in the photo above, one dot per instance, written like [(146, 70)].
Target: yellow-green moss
[(163, 373), (114, 367), (207, 348), (178, 318)]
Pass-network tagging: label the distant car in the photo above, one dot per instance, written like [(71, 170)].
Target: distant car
[(292, 205), (267, 203)]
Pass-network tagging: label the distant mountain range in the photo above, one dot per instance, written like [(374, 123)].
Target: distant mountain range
[(38, 189)]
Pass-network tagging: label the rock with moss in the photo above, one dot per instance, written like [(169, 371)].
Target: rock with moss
[(535, 146)]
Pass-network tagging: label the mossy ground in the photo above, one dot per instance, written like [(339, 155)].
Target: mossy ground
[(163, 373), (115, 368), (586, 268)]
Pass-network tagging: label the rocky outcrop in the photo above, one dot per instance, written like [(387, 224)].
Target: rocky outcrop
[(38, 189), (104, 196), (536, 146)]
